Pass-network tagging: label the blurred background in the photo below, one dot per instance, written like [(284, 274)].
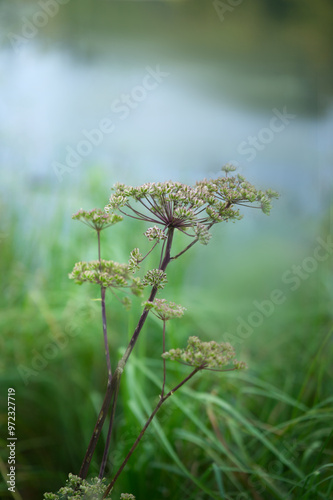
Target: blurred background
[(98, 92)]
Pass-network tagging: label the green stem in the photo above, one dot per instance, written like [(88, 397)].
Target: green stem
[(108, 359), (105, 333), (164, 361)]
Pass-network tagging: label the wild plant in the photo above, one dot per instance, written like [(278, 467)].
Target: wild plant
[(169, 208)]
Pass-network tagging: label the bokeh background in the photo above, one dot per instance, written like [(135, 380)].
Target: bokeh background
[(227, 68)]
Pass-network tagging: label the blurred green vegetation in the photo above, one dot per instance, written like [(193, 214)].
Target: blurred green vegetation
[(264, 433)]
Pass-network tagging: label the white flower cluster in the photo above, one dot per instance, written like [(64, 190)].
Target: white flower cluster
[(164, 310), (205, 355), (236, 190), (79, 489), (82, 489), (107, 274), (97, 218), (183, 207), (228, 168)]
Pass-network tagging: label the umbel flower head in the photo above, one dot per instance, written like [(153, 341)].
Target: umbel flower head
[(156, 278), (155, 233), (97, 219), (206, 355), (106, 273), (77, 488), (236, 190), (195, 208), (135, 259), (164, 310)]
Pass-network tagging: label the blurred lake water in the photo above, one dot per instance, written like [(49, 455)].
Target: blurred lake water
[(173, 107)]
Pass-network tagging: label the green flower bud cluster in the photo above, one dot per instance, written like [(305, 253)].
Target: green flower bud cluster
[(156, 278), (127, 303), (205, 355), (202, 234), (236, 190), (137, 287), (184, 214), (97, 218), (135, 259), (80, 489), (155, 233), (164, 310), (228, 168), (107, 274)]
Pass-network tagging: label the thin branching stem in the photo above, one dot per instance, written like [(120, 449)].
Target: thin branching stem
[(164, 361), (106, 344), (152, 248), (108, 438), (139, 218), (185, 249), (99, 248), (113, 387), (105, 333), (143, 430), (197, 239), (143, 216), (154, 208)]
